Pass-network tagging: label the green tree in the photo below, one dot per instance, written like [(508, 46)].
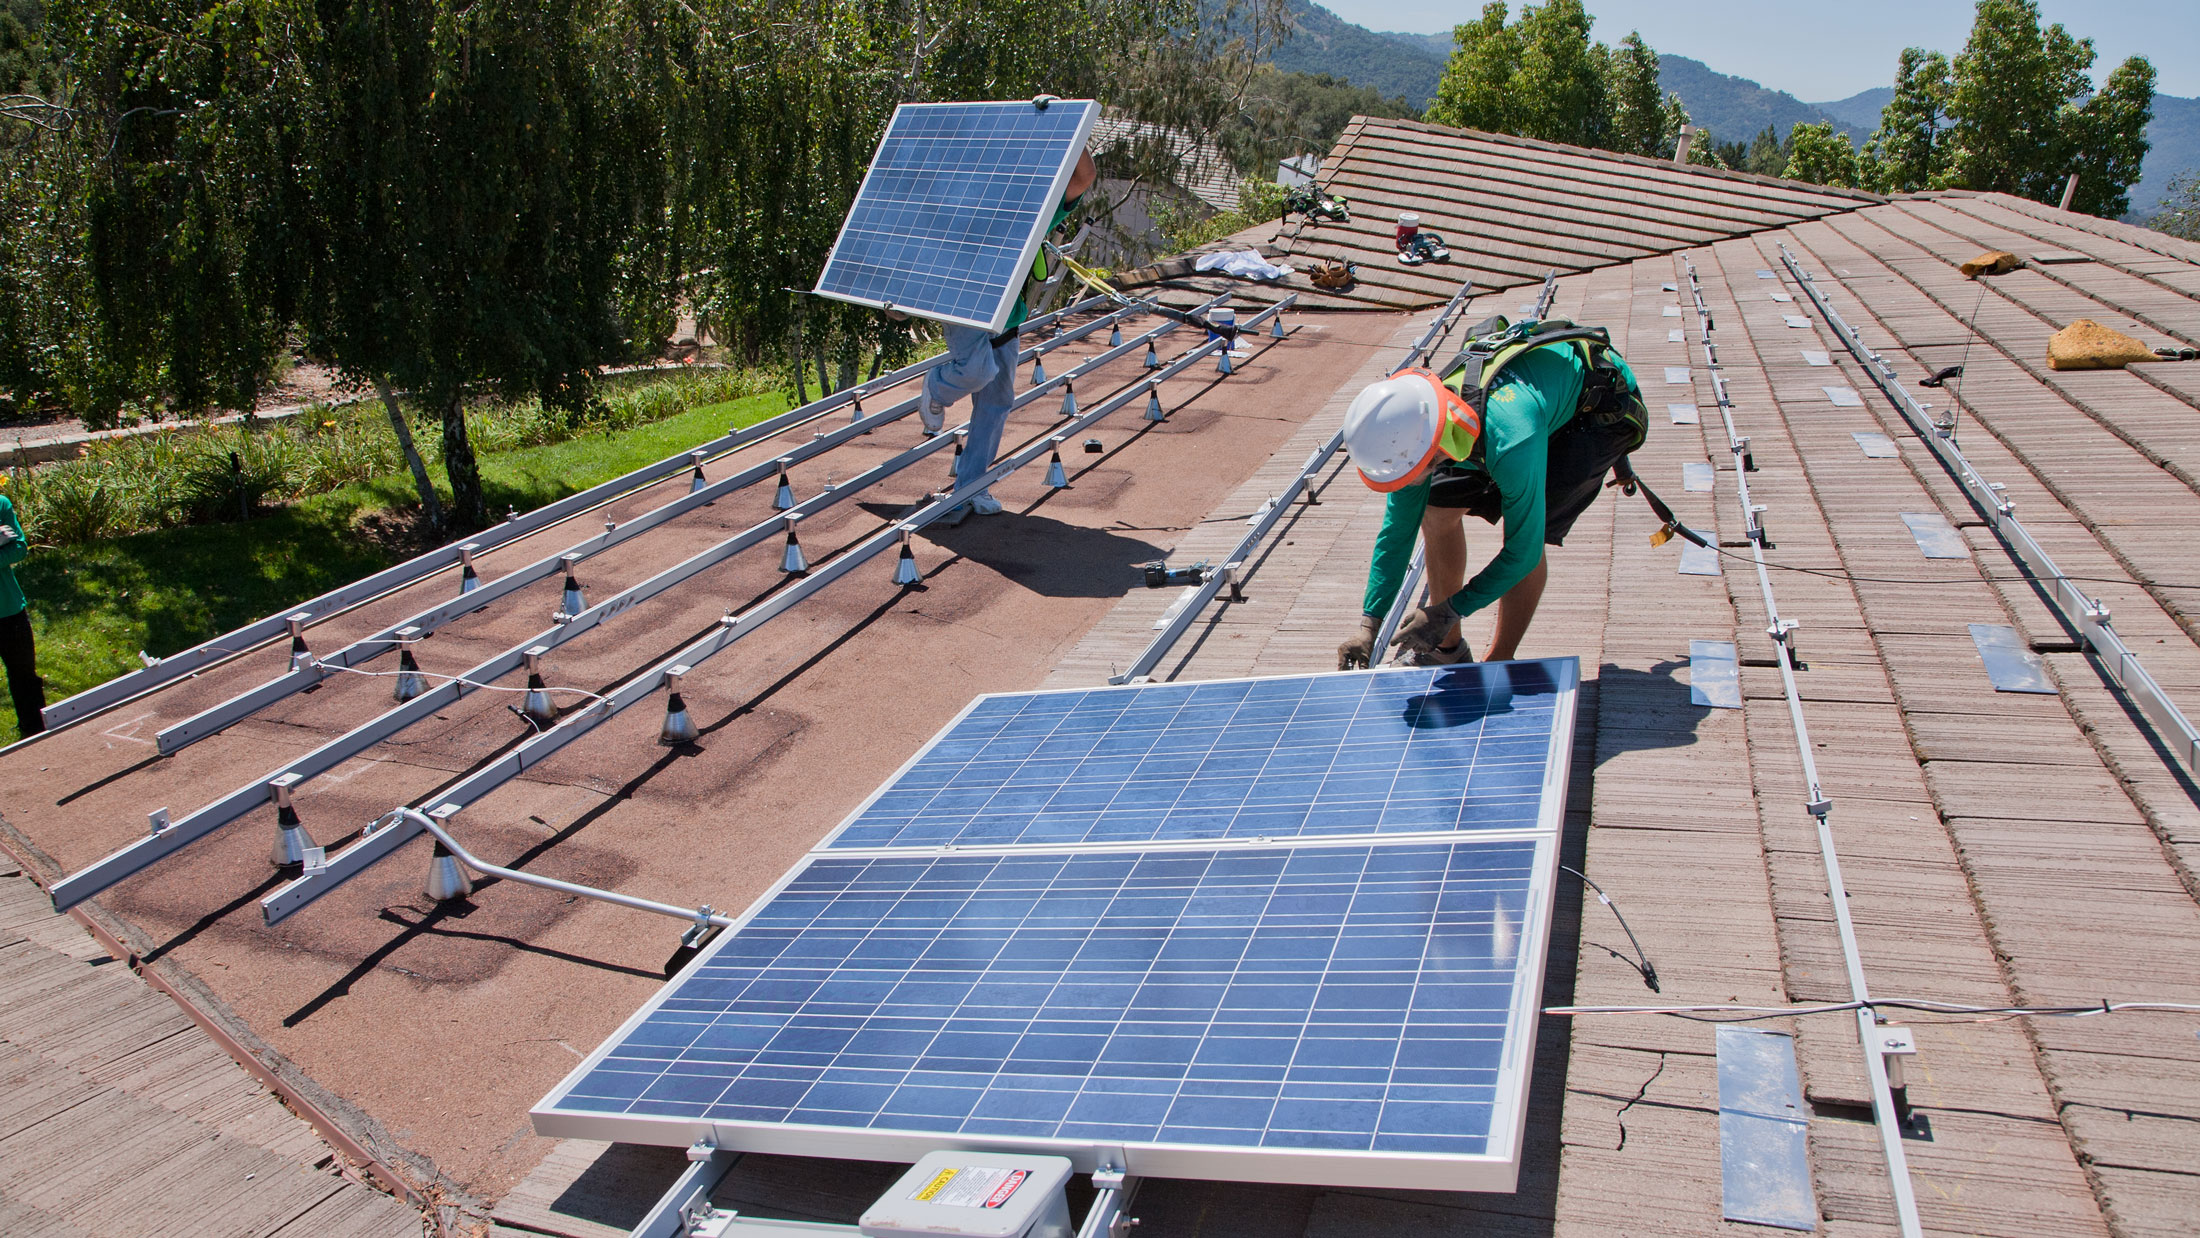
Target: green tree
[(1768, 155), (2105, 141), (2019, 125), (1910, 150), (1543, 77), (1821, 156), (1645, 121)]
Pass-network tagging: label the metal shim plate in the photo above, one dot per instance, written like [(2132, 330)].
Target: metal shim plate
[(1683, 414), (1696, 477), (1816, 358), (1781, 296), (1672, 311), (1935, 536), (2011, 666), (1676, 375), (1763, 1161), (1843, 397), (1712, 677), (1674, 336), (1699, 560), (1876, 446), (1797, 320)]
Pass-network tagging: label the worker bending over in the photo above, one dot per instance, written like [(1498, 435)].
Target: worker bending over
[(983, 367), (1523, 429)]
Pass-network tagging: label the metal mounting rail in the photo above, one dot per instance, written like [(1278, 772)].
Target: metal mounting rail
[(168, 836), (371, 847), (1233, 564), (252, 635), (313, 671), (1873, 1037), (2086, 616)]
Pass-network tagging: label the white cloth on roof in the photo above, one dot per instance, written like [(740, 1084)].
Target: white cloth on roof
[(1243, 263)]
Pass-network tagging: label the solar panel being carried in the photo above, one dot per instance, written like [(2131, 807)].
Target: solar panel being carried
[(1326, 971), (954, 207)]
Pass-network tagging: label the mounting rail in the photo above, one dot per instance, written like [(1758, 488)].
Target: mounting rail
[(217, 717), (370, 848), (2086, 616), (1872, 1035)]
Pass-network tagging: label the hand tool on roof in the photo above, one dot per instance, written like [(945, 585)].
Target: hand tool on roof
[(1316, 204), (1423, 247)]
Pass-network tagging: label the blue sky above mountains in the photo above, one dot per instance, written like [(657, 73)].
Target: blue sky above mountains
[(1817, 51)]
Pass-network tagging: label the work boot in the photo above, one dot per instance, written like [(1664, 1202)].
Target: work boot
[(984, 504), (928, 412)]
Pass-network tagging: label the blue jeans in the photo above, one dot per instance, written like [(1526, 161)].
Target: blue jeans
[(975, 367)]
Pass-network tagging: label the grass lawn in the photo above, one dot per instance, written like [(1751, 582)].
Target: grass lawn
[(94, 607)]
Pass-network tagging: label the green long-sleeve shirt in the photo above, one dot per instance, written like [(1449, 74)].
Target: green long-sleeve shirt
[(13, 550), (1535, 395)]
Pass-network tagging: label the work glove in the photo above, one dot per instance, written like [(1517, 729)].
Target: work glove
[(1426, 628), (1356, 654)]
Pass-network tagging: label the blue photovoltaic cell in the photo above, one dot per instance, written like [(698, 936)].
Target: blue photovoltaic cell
[(947, 219), (1313, 997), (1391, 752)]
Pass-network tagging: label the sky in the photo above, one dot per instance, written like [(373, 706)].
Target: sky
[(1797, 45)]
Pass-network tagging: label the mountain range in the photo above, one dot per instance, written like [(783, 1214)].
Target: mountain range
[(1734, 109)]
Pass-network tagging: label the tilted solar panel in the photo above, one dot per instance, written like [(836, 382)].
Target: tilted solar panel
[(1350, 1000), (953, 209)]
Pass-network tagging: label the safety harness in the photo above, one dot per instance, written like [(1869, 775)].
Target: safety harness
[(1606, 394)]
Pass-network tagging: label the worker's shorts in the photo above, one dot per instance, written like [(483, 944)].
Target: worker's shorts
[(1583, 451)]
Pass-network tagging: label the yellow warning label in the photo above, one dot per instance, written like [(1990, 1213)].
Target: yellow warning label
[(936, 1185)]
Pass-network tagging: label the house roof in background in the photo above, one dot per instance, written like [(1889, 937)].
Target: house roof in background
[(1512, 209), (1202, 169)]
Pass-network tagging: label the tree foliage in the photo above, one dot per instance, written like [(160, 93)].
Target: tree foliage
[(1544, 77), (466, 198), (1909, 151), (1819, 155)]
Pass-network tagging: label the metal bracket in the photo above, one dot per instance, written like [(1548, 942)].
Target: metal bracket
[(157, 820)]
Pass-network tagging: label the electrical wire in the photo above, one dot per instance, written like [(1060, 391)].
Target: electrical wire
[(1645, 966), (1915, 1005)]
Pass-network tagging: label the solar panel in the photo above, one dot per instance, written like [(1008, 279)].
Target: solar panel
[(952, 210), (1348, 997), (1332, 754)]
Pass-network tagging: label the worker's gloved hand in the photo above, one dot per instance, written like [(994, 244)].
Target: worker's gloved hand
[(1356, 654), (1426, 628)]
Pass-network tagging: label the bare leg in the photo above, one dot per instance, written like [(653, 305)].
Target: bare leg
[(1516, 610), (1444, 542)]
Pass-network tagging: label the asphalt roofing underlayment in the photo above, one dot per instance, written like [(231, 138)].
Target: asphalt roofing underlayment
[(1998, 848)]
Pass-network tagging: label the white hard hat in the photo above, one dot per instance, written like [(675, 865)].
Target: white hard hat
[(1396, 427)]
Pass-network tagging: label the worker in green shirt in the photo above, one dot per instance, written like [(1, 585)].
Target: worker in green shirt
[(16, 650), (1517, 453)]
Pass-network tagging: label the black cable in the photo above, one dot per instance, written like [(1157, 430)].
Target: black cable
[(1649, 971)]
